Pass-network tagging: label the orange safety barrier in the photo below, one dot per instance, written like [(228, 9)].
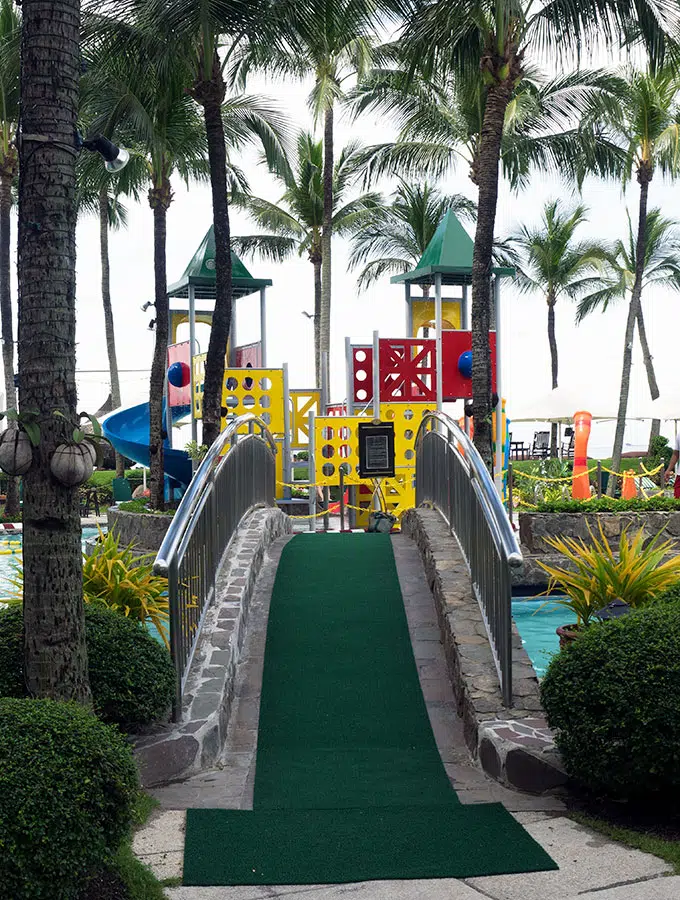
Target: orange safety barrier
[(580, 482), (628, 490)]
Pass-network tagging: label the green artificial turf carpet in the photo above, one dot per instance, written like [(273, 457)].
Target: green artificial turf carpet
[(349, 784)]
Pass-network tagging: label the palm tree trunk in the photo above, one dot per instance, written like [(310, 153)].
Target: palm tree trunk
[(108, 311), (655, 429), (317, 321), (644, 177), (210, 94), (552, 340), (55, 656), (159, 200), (325, 312), (486, 173), (7, 171)]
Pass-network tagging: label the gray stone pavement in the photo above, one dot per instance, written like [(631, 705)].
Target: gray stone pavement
[(588, 862)]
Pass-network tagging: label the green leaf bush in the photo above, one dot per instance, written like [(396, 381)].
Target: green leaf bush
[(613, 699), (609, 504), (67, 788), (131, 674)]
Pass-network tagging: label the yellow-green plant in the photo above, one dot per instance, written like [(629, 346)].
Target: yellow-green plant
[(116, 578), (596, 576)]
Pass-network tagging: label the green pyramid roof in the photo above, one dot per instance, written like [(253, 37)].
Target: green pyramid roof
[(200, 273), (449, 254)]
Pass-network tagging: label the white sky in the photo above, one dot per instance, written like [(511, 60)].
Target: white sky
[(590, 355)]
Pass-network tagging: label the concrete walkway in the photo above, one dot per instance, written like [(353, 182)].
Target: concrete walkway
[(591, 867)]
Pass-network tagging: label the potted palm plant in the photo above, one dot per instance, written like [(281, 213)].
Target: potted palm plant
[(594, 575)]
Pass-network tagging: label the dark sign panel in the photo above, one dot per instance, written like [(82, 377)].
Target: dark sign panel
[(376, 450)]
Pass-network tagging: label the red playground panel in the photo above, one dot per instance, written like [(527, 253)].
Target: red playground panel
[(362, 374), (408, 370), (454, 344), (179, 396)]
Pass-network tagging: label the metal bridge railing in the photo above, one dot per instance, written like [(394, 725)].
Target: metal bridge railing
[(238, 472), (451, 475)]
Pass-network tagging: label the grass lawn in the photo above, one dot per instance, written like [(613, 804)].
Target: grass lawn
[(644, 837), (104, 477), (528, 465)]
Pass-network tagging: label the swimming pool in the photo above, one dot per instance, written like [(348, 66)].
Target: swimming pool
[(537, 629), (9, 560)]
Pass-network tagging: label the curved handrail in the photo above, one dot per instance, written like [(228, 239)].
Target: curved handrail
[(494, 512), (203, 477)]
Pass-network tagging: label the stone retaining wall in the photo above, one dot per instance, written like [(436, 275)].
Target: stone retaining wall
[(514, 745), (182, 749), (535, 528), (145, 530)]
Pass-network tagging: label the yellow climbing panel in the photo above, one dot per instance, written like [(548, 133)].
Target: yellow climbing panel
[(301, 404)]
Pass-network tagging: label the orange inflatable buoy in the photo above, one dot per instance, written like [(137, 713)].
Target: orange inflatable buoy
[(628, 490), (580, 483)]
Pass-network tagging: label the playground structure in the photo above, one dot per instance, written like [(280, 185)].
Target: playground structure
[(392, 380)]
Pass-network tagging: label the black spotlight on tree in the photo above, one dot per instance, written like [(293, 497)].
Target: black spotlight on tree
[(115, 157)]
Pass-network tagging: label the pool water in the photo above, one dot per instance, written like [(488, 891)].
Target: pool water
[(537, 628), (9, 561)]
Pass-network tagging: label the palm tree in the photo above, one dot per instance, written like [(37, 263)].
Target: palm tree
[(10, 37), (643, 128), (332, 41), (619, 276), (551, 262), (294, 224), (193, 31), (137, 95), (397, 235), (494, 37), (54, 629), (440, 117), (98, 193)]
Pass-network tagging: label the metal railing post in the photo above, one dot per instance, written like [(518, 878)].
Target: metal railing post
[(287, 467), (311, 472)]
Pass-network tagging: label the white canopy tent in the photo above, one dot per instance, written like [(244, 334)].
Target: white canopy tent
[(561, 404)]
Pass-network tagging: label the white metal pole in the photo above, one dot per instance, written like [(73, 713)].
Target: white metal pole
[(287, 467), (311, 474), (409, 311), (438, 338), (263, 326), (499, 388), (324, 383), (349, 376), (465, 310), (376, 375), (232, 335), (192, 353)]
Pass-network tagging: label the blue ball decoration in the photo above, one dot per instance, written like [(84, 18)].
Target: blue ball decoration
[(465, 364), (179, 375)]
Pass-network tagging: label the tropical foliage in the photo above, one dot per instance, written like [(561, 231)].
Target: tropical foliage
[(396, 235), (637, 573), (117, 578), (640, 132)]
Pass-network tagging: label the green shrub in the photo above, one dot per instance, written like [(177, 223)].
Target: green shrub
[(141, 505), (609, 504), (131, 675), (613, 698), (67, 787), (671, 594)]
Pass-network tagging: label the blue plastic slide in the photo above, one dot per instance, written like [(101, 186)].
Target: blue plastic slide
[(128, 431)]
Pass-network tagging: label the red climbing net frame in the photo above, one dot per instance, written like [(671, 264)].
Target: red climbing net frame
[(362, 374), (408, 370)]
